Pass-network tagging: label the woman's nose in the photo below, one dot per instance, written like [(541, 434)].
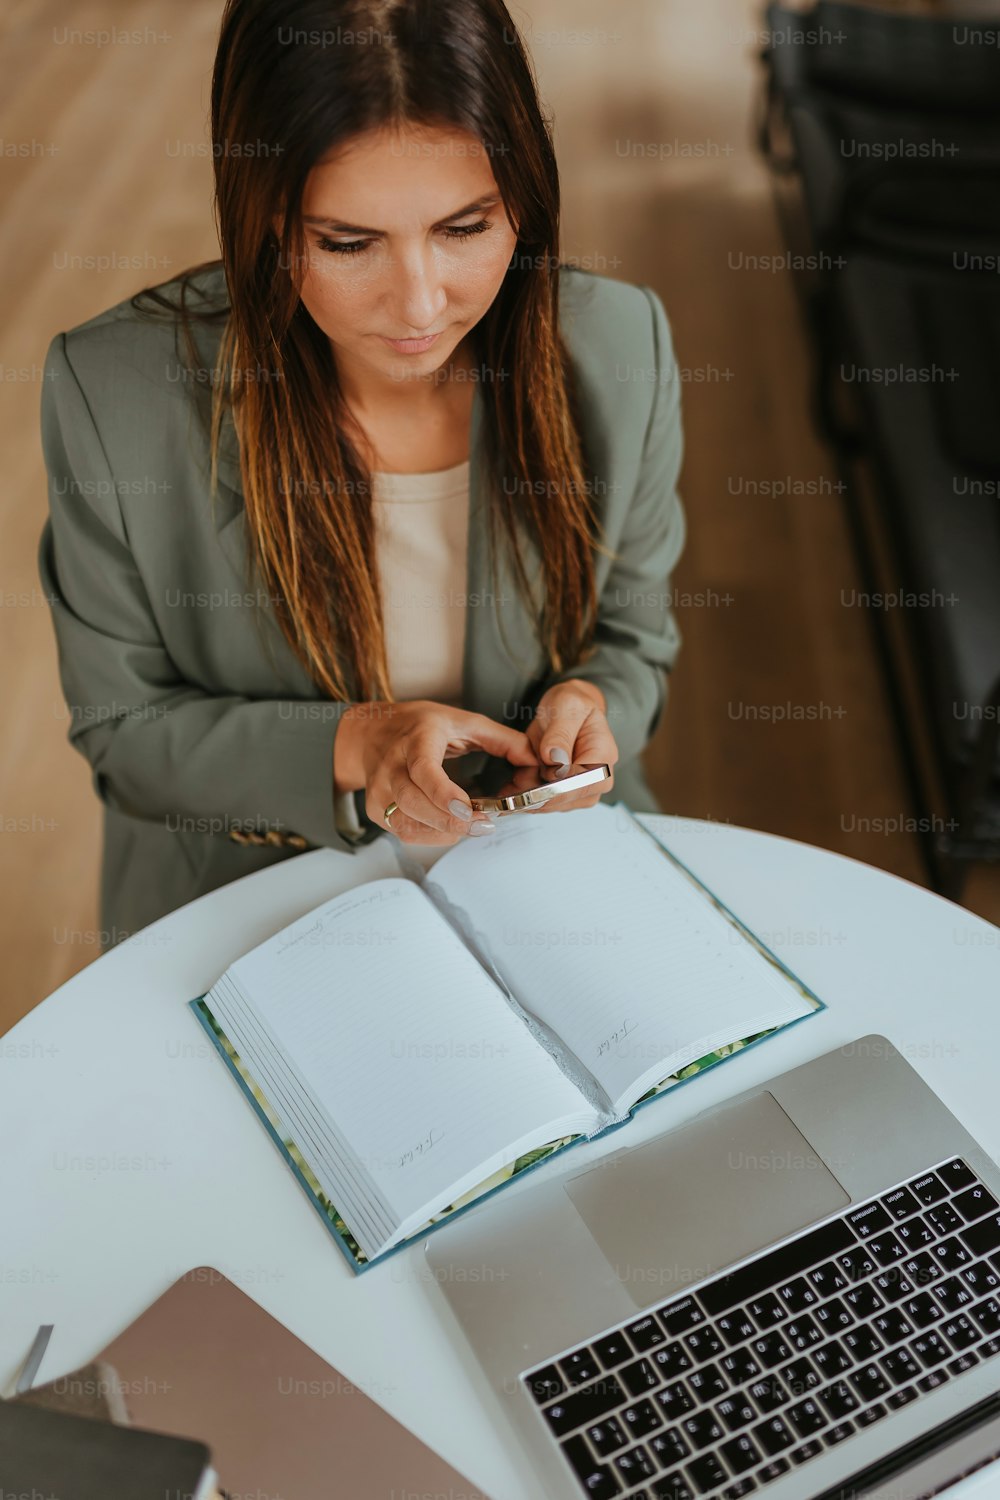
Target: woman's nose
[(420, 296)]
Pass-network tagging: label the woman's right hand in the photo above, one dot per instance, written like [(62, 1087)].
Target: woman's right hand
[(395, 752)]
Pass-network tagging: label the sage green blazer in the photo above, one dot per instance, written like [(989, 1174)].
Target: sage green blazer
[(196, 718)]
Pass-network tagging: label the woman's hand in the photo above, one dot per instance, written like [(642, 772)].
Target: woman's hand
[(570, 729), (395, 752)]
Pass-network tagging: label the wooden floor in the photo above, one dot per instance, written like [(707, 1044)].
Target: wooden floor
[(105, 154)]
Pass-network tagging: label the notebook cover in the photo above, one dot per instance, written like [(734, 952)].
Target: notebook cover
[(342, 1236)]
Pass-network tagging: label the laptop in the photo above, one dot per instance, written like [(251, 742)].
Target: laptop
[(796, 1294)]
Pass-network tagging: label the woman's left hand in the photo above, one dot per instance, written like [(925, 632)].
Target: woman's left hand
[(569, 730)]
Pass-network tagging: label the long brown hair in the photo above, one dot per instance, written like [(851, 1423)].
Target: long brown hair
[(299, 77)]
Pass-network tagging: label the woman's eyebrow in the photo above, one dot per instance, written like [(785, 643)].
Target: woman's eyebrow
[(489, 201)]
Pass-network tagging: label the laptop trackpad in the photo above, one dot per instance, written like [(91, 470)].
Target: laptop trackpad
[(681, 1207)]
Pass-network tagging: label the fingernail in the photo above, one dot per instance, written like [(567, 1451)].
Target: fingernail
[(460, 809), (559, 756), (480, 827), (560, 772)]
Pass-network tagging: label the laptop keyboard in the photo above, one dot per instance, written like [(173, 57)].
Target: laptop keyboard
[(719, 1391)]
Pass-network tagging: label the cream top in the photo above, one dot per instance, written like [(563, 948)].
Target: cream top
[(422, 530)]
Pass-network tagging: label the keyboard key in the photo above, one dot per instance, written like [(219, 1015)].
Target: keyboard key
[(922, 1270), (740, 1365), (646, 1333), (773, 1436), (930, 1348), (984, 1236), (987, 1314), (900, 1203), (678, 1317), (612, 1350), (871, 1414), (805, 1451), (868, 1219), (891, 1326), (545, 1384), (888, 1249), (803, 1332), (670, 1447), (921, 1310), (701, 1428), (892, 1284), (831, 1359), (801, 1376), (706, 1472), (791, 1259), (674, 1400), (832, 1317), (957, 1175), (740, 1453), (767, 1310), (703, 1343), (901, 1398), (863, 1342), (672, 1487), (640, 1377), (838, 1434), (838, 1398), (900, 1366), (770, 1349), (975, 1202), (580, 1367), (670, 1360), (991, 1347), (951, 1253), (806, 1417), (944, 1218), (634, 1466), (584, 1405), (915, 1234), (596, 1479), (980, 1278), (607, 1436), (864, 1299), (640, 1419), (736, 1326), (768, 1393), (869, 1382), (735, 1412), (856, 1263), (953, 1294), (739, 1488), (772, 1470), (827, 1279), (960, 1332), (963, 1362), (932, 1379), (928, 1189), (797, 1295), (708, 1383)]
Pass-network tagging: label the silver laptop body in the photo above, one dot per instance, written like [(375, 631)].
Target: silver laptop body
[(838, 1212)]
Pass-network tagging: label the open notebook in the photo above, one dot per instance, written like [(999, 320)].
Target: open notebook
[(416, 1041)]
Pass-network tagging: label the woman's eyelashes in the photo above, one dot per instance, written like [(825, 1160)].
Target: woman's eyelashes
[(356, 247)]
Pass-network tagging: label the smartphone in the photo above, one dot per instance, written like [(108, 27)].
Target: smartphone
[(495, 786)]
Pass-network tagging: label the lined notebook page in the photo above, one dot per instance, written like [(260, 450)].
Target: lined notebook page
[(598, 934), (407, 1045)]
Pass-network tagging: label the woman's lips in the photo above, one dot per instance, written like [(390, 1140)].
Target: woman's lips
[(411, 346)]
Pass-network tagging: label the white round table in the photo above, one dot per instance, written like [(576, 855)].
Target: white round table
[(130, 1156)]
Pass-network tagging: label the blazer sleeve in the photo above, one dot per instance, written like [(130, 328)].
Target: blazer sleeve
[(160, 746), (637, 639)]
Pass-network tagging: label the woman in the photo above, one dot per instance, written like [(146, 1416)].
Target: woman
[(384, 485)]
